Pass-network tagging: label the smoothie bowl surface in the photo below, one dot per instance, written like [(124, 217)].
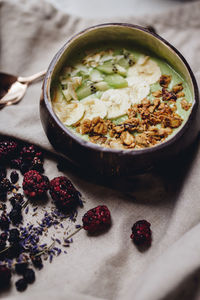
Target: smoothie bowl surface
[(118, 99), (121, 98)]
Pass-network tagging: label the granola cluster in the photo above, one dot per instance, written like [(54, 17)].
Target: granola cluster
[(147, 124)]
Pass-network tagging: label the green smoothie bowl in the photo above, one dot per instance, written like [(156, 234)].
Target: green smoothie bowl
[(118, 99)]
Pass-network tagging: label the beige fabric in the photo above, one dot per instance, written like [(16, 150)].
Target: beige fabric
[(109, 266)]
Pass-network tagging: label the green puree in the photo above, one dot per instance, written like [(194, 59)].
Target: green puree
[(165, 70)]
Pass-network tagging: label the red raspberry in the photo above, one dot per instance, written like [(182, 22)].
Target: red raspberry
[(64, 194), (141, 233), (97, 219), (8, 149), (35, 184)]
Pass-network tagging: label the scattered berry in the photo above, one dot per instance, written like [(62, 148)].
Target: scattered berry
[(4, 236), (4, 222), (16, 199), (14, 251), (14, 236), (97, 219), (5, 276), (7, 150), (2, 173), (20, 268), (64, 194), (5, 186), (21, 285), (15, 163), (141, 233), (29, 152), (37, 261), (29, 275), (14, 177), (15, 214), (2, 244), (37, 164), (35, 184)]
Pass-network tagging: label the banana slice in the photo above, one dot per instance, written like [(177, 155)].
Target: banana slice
[(138, 89), (146, 69), (69, 114), (94, 108), (117, 102)]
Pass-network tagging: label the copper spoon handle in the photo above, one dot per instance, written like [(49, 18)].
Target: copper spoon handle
[(32, 78)]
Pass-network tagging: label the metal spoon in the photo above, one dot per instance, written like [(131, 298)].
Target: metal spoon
[(13, 88)]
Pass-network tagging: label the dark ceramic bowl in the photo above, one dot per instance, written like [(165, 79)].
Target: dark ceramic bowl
[(108, 161)]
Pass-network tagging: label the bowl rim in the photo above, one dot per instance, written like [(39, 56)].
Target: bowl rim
[(96, 147)]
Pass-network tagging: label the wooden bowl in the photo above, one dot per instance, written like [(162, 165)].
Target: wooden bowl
[(106, 161)]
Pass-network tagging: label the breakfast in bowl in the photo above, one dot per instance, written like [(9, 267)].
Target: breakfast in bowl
[(121, 98), (118, 99)]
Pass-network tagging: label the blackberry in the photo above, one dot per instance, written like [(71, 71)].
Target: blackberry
[(4, 236), (25, 167), (4, 222), (21, 285), (97, 219), (14, 177), (15, 163), (5, 276), (141, 233), (37, 261), (20, 268), (29, 276), (37, 165), (2, 244), (14, 236), (35, 184), (8, 149), (16, 199), (64, 194), (15, 214), (29, 152), (2, 173), (14, 251), (5, 186)]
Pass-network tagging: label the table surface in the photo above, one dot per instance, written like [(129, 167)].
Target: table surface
[(112, 8)]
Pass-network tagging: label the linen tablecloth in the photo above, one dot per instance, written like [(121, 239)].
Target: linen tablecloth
[(109, 267)]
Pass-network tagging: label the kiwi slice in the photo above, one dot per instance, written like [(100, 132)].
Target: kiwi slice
[(85, 91), (116, 81), (101, 86), (107, 68), (123, 62)]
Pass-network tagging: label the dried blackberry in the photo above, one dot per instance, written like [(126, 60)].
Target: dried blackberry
[(37, 261), (29, 152), (8, 149), (2, 173), (25, 167), (16, 163), (35, 184), (29, 276), (2, 244), (14, 236), (64, 194), (141, 233), (5, 276), (20, 268), (14, 177), (97, 219), (21, 285), (4, 222), (4, 236), (17, 198), (14, 251), (37, 164), (15, 214), (5, 186)]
